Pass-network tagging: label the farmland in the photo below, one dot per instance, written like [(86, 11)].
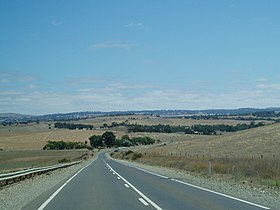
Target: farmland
[(259, 143)]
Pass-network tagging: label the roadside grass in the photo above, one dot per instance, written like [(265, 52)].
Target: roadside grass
[(17, 160), (261, 171)]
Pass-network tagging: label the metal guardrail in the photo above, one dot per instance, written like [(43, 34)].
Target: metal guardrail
[(9, 178)]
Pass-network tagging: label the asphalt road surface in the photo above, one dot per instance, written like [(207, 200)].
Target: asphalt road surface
[(106, 184)]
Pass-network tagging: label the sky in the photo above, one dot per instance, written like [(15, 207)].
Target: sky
[(61, 56)]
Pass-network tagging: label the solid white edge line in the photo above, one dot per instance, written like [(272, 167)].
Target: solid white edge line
[(136, 190), (221, 194), (141, 169), (143, 201), (59, 189)]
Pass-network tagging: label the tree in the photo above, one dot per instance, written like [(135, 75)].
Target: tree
[(96, 141), (109, 138)]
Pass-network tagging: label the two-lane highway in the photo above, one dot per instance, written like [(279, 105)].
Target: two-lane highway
[(107, 184)]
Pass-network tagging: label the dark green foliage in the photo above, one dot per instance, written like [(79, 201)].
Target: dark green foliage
[(64, 160), (96, 141), (136, 155), (128, 152), (71, 126), (142, 140), (195, 129), (109, 138), (61, 145)]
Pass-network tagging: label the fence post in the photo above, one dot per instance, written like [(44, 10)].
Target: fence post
[(209, 168)]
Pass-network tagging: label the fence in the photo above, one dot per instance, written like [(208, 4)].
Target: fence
[(213, 156)]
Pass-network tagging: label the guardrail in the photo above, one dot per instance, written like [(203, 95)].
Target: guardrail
[(9, 178)]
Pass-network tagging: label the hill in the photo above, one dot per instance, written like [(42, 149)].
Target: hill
[(8, 118), (256, 142)]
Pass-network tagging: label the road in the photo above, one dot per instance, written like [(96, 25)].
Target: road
[(107, 184)]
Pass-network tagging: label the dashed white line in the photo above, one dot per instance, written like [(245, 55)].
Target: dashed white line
[(143, 201), (126, 185), (118, 177), (136, 190)]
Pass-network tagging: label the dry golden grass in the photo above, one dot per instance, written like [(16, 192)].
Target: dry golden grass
[(250, 154), (15, 160), (254, 142)]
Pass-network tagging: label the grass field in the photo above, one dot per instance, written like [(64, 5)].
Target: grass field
[(250, 154), (189, 152), (16, 160)]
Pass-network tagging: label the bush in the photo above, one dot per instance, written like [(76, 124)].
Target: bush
[(128, 152), (136, 155), (64, 160)]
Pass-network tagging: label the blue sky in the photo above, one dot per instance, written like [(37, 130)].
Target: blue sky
[(103, 55)]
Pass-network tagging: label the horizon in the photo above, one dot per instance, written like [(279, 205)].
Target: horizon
[(58, 57), (147, 110)]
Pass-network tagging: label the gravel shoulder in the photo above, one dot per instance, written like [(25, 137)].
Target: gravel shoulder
[(267, 197), (19, 194)]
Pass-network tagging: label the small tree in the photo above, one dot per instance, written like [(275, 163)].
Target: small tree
[(109, 138), (95, 141)]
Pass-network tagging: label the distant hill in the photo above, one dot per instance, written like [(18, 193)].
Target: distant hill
[(15, 117)]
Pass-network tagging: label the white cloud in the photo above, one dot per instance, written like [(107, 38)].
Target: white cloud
[(7, 77), (114, 44), (130, 86), (56, 23), (30, 86), (85, 80), (270, 87), (114, 95), (261, 80), (134, 25)]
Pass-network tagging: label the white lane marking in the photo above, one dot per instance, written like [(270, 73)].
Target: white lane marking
[(136, 190), (143, 201), (59, 189), (221, 194), (118, 177), (126, 185), (141, 169)]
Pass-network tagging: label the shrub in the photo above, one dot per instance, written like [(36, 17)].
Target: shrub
[(136, 155), (64, 160), (128, 152)]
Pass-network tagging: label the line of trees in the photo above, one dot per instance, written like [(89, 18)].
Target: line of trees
[(108, 139), (72, 126), (61, 145), (194, 129)]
